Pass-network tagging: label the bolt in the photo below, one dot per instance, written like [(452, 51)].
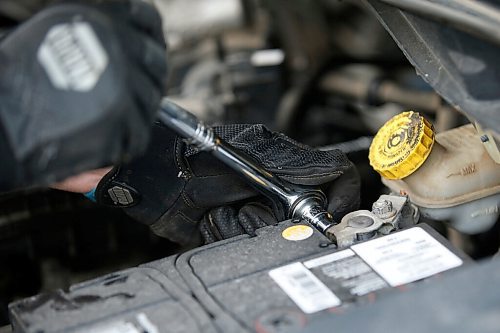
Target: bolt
[(383, 209)]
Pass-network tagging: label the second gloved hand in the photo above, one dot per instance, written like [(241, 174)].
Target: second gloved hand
[(80, 84), (190, 197)]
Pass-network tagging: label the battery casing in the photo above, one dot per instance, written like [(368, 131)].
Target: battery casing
[(222, 287)]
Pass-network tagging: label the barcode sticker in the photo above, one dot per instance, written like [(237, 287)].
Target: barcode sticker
[(304, 288), (407, 256)]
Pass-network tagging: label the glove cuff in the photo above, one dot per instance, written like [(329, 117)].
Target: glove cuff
[(112, 192)]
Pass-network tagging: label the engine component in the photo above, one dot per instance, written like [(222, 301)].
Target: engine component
[(389, 213), (367, 83), (244, 87), (205, 18), (258, 284), (297, 202), (450, 178), (401, 146)]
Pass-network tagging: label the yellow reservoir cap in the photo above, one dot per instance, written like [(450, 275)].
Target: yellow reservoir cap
[(402, 145)]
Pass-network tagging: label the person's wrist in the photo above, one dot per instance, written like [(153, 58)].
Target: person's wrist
[(82, 183)]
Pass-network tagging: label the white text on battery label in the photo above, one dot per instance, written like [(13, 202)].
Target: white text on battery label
[(304, 288), (407, 256)]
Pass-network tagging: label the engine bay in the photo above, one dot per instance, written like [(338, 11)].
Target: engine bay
[(408, 90)]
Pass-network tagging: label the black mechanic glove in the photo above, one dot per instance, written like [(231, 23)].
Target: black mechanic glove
[(80, 83), (173, 187)]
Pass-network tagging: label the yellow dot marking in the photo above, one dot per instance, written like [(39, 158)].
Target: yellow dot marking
[(297, 232)]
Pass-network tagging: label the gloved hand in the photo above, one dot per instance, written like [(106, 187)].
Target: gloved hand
[(80, 83), (173, 187)]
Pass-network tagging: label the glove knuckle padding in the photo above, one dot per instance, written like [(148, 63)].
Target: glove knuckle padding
[(57, 128), (181, 186), (285, 157)]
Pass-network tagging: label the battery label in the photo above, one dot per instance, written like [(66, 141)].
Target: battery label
[(305, 289), (348, 275), (117, 327), (407, 256), (125, 326)]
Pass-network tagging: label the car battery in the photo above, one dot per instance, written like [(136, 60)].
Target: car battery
[(282, 280)]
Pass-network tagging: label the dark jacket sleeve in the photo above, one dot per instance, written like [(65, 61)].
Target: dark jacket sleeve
[(9, 167)]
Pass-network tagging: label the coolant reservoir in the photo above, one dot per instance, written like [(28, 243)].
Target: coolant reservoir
[(450, 176)]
